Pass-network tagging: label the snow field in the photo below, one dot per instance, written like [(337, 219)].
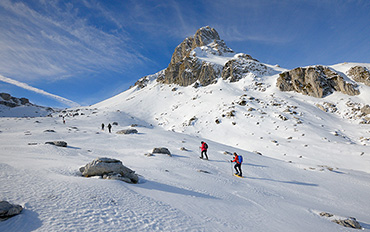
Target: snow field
[(172, 195)]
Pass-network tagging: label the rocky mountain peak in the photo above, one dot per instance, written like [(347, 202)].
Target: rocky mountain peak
[(205, 36), (187, 68)]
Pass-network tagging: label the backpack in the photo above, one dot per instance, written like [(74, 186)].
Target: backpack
[(205, 146), (240, 159)]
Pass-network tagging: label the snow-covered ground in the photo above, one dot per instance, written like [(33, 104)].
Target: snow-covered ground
[(312, 162)]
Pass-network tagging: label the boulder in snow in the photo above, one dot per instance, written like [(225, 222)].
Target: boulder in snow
[(109, 169), (8, 210), (348, 222), (58, 143), (162, 150), (127, 131)]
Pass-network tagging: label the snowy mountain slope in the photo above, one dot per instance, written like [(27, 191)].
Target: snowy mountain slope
[(254, 115), (178, 193)]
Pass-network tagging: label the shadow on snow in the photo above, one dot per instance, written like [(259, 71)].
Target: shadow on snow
[(152, 185)]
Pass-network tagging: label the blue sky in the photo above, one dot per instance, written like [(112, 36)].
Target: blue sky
[(89, 50)]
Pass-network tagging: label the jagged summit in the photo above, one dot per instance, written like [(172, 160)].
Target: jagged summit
[(201, 60), (205, 36)]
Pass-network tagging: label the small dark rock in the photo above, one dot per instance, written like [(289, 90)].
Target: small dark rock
[(8, 210), (58, 143)]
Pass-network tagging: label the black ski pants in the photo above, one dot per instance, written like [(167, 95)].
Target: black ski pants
[(238, 168)]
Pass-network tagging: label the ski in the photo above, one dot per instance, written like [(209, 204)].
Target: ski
[(239, 176)]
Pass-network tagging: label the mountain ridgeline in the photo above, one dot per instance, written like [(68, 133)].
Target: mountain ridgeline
[(187, 69), (203, 59)]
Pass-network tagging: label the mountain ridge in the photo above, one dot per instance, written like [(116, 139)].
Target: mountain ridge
[(248, 99)]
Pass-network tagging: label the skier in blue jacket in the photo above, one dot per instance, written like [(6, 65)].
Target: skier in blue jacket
[(238, 159)]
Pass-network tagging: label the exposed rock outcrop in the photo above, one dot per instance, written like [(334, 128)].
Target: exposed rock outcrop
[(360, 74), (350, 222), (317, 81), (243, 64), (143, 82), (7, 100), (365, 110), (109, 168)]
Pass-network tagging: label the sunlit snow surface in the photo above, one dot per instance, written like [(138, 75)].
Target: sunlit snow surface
[(312, 162)]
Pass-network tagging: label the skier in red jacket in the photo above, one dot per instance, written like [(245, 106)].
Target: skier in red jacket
[(203, 149), (238, 166)]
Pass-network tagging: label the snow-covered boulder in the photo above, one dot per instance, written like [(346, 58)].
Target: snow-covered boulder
[(162, 150), (58, 143), (109, 168), (349, 222), (8, 210), (127, 131)]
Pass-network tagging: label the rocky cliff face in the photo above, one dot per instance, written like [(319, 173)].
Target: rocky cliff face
[(185, 68), (360, 74), (242, 65), (317, 81)]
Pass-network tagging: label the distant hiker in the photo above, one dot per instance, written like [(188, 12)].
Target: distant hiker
[(238, 159), (109, 127), (102, 126), (203, 149)]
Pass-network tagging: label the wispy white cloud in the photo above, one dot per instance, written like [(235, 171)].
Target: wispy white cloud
[(39, 91), (51, 39)]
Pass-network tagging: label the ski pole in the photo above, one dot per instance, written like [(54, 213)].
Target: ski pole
[(231, 166)]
